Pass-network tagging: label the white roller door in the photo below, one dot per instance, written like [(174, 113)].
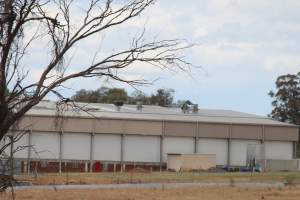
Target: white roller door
[(18, 146), (238, 151), (3, 143), (107, 147), (214, 146), (20, 149), (45, 145), (19, 152), (76, 146), (279, 150), (183, 145), (141, 148)]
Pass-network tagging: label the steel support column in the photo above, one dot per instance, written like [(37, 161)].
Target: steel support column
[(29, 150), (294, 150), (161, 147), (92, 144), (229, 147), (263, 150), (60, 151), (228, 152), (196, 138), (122, 151)]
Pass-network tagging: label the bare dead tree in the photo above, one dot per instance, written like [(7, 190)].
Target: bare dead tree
[(54, 23), (63, 33)]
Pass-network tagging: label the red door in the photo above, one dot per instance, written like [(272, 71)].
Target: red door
[(97, 167)]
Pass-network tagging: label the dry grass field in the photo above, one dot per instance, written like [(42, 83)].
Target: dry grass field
[(209, 193), (291, 192), (157, 177)]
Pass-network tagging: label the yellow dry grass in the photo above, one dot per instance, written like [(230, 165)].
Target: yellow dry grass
[(157, 177), (209, 193)]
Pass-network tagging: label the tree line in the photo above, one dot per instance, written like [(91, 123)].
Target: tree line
[(161, 97)]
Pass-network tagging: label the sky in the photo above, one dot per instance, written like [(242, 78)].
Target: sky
[(241, 46)]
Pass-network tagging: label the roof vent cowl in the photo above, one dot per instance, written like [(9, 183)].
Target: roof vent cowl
[(118, 105), (195, 108), (139, 106)]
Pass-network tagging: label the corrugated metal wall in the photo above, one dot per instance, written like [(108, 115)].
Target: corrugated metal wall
[(140, 140), (214, 146), (177, 145), (238, 151), (107, 147), (279, 150), (24, 141), (45, 145), (76, 146), (141, 148), (171, 128)]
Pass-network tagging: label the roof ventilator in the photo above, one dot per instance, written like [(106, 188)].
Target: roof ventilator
[(139, 106), (195, 108), (187, 108), (118, 105)]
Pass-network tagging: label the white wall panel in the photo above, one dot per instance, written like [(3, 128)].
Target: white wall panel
[(279, 150), (23, 141), (45, 145), (3, 142), (141, 148), (76, 146), (214, 146), (238, 151), (107, 147), (177, 145)]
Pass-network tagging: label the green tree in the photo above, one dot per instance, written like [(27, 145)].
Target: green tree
[(286, 100), (286, 103), (138, 96), (88, 96), (101, 95), (115, 94), (163, 97)]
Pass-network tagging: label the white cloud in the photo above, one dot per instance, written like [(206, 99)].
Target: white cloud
[(282, 63), (239, 41), (226, 54)]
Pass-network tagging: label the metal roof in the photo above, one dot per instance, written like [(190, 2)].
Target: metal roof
[(150, 112)]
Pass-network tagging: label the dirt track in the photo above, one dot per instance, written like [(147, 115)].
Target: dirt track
[(206, 193), (154, 186), (161, 186)]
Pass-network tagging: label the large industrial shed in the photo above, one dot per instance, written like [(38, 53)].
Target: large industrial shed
[(110, 138)]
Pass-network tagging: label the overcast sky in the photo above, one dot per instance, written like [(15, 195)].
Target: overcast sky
[(242, 46)]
